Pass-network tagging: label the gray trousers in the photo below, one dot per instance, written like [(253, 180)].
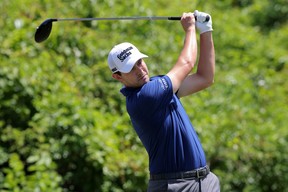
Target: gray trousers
[(208, 184)]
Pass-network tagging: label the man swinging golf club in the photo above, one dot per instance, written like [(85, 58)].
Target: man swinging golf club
[(176, 158)]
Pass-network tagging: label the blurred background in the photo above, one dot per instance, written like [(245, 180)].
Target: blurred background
[(63, 123)]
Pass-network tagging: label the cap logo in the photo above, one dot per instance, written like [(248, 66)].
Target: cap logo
[(124, 54), (114, 70)]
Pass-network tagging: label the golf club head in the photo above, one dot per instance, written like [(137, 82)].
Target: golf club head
[(44, 30)]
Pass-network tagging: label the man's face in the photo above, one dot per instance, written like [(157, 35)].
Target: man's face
[(138, 76)]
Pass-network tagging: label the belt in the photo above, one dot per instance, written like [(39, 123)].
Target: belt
[(194, 174)]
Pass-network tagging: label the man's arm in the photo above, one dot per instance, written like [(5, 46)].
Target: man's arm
[(187, 57), (204, 76)]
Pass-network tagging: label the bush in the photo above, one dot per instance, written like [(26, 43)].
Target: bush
[(63, 122)]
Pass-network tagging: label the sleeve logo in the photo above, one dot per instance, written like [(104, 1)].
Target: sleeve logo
[(163, 83)]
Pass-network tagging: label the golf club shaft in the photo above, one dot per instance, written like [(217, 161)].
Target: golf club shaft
[(44, 30), (118, 18)]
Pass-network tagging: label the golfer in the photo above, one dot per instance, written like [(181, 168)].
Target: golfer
[(176, 158)]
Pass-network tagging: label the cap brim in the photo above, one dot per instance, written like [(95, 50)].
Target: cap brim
[(131, 62)]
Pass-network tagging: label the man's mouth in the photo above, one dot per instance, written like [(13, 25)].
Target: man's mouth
[(142, 77)]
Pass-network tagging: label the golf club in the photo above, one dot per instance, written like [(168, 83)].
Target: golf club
[(44, 30)]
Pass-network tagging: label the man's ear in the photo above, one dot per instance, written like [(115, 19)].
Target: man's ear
[(116, 76)]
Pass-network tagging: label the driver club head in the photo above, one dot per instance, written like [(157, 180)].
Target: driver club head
[(44, 30)]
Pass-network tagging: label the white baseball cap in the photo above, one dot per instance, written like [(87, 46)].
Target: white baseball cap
[(123, 57)]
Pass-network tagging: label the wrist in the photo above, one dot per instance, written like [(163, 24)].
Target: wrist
[(190, 30), (209, 31)]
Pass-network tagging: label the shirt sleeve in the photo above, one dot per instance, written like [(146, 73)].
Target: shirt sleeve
[(156, 93)]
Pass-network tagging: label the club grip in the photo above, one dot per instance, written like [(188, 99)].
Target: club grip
[(174, 18), (206, 19), (179, 18)]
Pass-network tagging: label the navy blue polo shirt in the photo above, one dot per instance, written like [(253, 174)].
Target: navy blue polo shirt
[(163, 126)]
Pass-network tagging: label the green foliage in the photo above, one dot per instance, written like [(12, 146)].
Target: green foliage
[(63, 122), (270, 14)]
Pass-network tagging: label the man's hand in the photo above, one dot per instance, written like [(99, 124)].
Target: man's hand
[(201, 25), (188, 21)]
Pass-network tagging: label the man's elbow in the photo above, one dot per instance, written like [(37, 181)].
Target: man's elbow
[(208, 82), (211, 82)]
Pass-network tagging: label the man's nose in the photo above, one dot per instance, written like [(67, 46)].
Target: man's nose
[(140, 69)]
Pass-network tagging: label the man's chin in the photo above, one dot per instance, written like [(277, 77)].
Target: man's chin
[(146, 79)]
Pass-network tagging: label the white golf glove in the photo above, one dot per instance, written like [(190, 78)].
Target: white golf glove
[(201, 24)]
